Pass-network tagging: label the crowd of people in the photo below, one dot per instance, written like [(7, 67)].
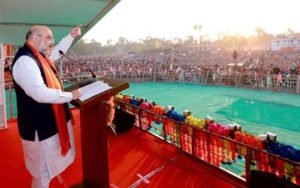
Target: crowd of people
[(223, 62)]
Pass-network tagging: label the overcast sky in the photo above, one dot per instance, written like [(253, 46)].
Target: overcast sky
[(137, 19)]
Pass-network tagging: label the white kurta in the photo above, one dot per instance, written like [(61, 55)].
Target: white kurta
[(38, 153)]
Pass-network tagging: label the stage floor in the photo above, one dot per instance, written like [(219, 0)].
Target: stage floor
[(131, 154)]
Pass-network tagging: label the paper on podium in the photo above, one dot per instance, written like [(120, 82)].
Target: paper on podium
[(92, 89)]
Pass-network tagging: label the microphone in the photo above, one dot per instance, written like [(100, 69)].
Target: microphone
[(89, 68)]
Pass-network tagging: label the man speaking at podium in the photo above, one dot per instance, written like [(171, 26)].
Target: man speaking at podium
[(44, 118)]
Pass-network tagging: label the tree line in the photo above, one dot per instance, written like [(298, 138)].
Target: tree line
[(261, 40)]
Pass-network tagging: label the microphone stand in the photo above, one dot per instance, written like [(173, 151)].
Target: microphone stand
[(90, 80)]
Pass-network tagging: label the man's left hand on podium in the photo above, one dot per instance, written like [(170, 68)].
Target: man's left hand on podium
[(76, 94)]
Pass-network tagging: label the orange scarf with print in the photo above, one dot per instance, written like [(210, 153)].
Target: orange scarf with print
[(58, 109)]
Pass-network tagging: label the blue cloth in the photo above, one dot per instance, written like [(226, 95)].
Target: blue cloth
[(135, 102), (175, 116), (285, 151)]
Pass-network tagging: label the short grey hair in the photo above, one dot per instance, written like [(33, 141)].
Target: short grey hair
[(35, 29)]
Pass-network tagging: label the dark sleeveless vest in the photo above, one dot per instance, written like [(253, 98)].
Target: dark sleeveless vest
[(34, 116)]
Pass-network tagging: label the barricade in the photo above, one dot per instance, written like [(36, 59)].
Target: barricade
[(244, 152)]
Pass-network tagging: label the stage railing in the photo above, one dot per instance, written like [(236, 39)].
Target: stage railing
[(224, 153), (10, 98), (266, 82), (243, 80)]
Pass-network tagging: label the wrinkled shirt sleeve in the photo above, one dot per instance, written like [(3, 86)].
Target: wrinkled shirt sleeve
[(28, 76)]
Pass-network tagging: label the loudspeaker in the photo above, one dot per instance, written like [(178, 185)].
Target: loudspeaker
[(123, 121)]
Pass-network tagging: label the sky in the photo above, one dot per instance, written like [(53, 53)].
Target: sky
[(168, 19)]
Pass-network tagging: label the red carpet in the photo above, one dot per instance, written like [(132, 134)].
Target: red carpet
[(131, 153)]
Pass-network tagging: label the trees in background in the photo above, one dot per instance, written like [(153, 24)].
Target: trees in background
[(262, 40)]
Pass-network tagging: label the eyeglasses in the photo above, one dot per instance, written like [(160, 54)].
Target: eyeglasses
[(49, 37)]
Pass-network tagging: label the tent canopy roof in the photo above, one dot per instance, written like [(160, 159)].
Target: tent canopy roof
[(17, 16)]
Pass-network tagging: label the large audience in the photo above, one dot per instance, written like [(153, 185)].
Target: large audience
[(223, 62)]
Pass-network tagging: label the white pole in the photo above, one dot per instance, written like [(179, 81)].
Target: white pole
[(3, 122), (298, 84)]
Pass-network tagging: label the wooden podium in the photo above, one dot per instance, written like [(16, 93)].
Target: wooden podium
[(94, 149)]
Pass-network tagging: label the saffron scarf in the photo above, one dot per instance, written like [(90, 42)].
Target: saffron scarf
[(58, 109)]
